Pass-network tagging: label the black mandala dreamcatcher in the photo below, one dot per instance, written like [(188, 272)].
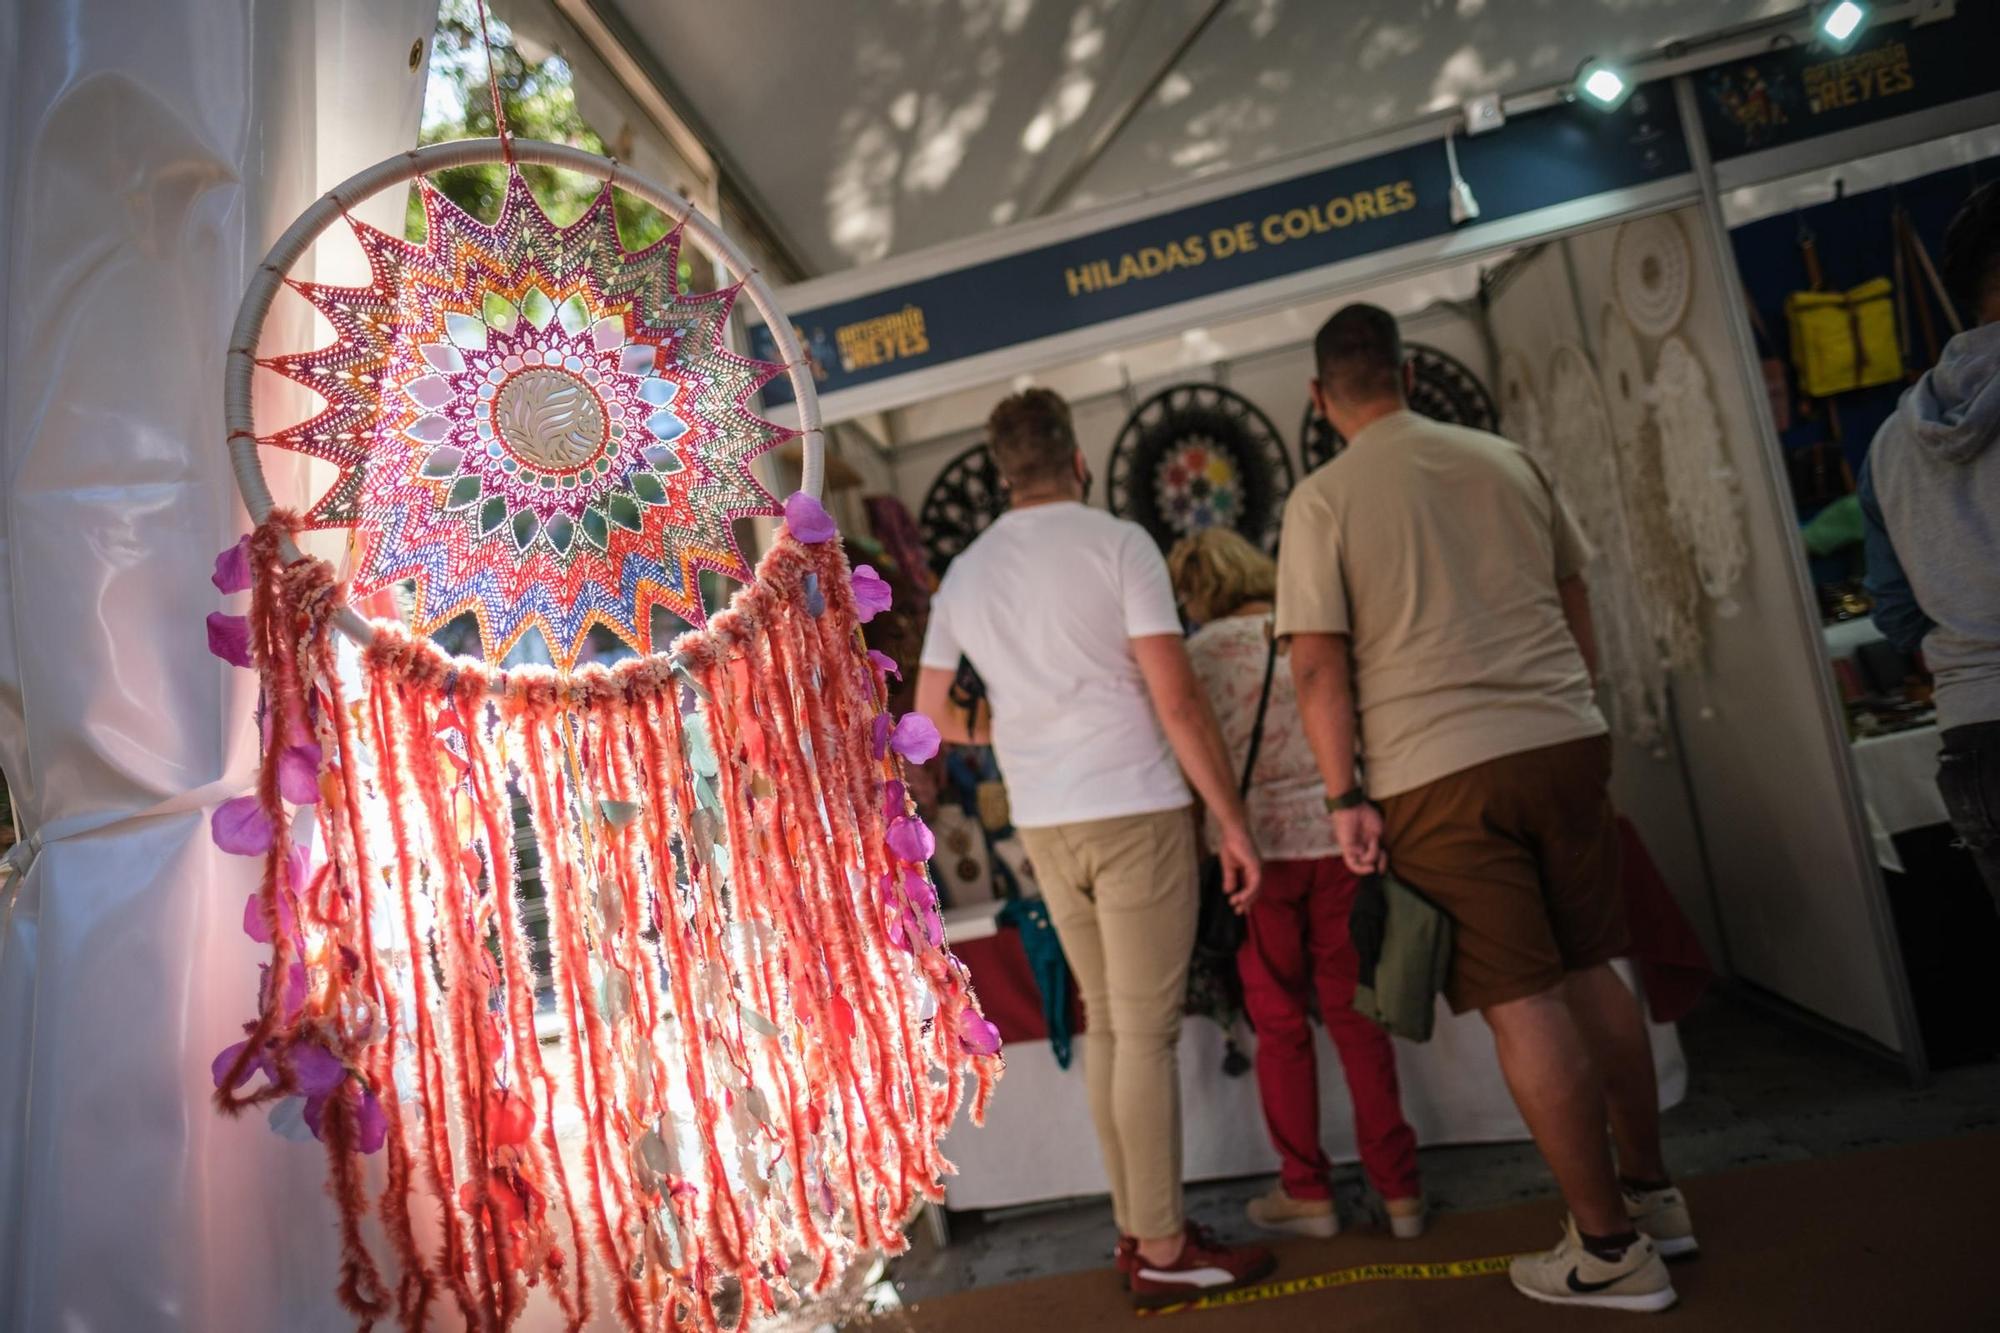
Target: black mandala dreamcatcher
[(1446, 390), (966, 497), (1196, 456)]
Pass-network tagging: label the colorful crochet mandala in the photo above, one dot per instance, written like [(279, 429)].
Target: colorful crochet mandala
[(532, 424)]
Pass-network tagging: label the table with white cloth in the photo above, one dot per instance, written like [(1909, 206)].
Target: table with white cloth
[(1897, 770), (1898, 775), (1037, 1143)]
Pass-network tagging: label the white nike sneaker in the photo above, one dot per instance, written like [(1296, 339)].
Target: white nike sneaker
[(1636, 1281), (1663, 1216)]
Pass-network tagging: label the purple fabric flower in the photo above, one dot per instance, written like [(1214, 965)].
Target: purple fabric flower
[(298, 773), (371, 1126), (917, 887), (910, 838), (807, 520), (884, 663), (253, 917), (240, 827), (232, 567), (298, 868), (879, 735), (871, 594), (219, 1068), (316, 1070), (915, 738), (296, 986), (894, 797), (976, 1035), (229, 638), (815, 597), (913, 914)]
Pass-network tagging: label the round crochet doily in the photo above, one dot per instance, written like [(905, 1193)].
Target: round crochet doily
[(1653, 273)]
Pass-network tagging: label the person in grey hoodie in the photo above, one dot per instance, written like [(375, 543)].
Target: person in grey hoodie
[(1930, 497)]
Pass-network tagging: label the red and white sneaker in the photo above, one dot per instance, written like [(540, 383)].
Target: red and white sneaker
[(1205, 1266), (1126, 1258)]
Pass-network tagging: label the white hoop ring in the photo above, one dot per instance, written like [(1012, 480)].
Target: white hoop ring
[(240, 368)]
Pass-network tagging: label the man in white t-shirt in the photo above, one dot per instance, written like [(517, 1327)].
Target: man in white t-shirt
[(1068, 616)]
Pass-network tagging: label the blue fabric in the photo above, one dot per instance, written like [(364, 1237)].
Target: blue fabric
[(1030, 916), (1902, 622)]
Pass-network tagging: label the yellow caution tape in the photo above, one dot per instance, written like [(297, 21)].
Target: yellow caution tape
[(1342, 1277)]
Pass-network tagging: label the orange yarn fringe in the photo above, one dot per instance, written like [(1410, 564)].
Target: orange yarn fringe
[(751, 1075)]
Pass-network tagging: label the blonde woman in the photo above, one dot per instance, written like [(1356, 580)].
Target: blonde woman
[(1297, 945)]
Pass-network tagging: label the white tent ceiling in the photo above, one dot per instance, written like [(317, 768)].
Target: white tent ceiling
[(868, 128)]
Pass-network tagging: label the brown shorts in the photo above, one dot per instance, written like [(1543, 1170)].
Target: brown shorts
[(1522, 852)]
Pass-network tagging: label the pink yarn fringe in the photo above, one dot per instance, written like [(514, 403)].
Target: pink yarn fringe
[(755, 1079)]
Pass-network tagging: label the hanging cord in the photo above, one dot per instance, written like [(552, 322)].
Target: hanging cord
[(493, 87)]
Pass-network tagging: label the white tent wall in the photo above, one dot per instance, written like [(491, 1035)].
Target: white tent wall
[(152, 150), (1795, 896)]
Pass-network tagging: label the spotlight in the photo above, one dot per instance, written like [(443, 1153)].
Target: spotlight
[(1602, 84), (1841, 23)]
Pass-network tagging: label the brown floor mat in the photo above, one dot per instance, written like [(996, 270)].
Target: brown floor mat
[(1893, 1241)]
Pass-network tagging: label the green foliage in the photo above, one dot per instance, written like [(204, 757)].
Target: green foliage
[(539, 98)]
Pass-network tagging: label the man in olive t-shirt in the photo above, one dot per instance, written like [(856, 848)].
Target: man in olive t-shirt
[(1430, 585)]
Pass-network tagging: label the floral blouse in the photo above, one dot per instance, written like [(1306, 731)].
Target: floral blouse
[(1287, 799)]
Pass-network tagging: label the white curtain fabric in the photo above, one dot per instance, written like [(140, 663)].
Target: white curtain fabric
[(150, 151)]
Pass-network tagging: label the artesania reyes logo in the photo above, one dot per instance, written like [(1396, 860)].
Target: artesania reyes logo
[(896, 336), (1854, 80)]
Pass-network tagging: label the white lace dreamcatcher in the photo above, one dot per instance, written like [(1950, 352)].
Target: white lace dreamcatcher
[(1580, 457), (1521, 416), (1669, 591), (1704, 501)]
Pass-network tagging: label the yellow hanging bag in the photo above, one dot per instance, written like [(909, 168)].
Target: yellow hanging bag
[(1845, 340)]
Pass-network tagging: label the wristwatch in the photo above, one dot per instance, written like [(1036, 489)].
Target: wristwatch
[(1351, 799)]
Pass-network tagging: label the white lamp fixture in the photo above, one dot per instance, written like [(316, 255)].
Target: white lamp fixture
[(1602, 84), (1840, 24), (1464, 208)]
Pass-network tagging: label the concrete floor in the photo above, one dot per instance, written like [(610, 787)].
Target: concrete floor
[(1760, 1090)]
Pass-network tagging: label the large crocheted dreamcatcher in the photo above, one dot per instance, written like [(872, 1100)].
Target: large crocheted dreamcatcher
[(1443, 388), (964, 500), (1197, 456), (735, 1076)]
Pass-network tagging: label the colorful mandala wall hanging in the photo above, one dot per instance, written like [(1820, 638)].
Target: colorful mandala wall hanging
[(722, 1069), (1196, 456), (1445, 390), (532, 425)]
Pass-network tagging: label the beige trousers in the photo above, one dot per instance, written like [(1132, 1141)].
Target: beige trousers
[(1122, 895)]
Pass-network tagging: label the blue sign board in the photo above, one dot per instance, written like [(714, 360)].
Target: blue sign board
[(1802, 92), (1357, 208)]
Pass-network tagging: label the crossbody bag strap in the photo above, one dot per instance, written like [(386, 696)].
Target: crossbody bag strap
[(1263, 707)]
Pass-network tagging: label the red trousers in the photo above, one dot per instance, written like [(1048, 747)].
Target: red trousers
[(1298, 948)]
